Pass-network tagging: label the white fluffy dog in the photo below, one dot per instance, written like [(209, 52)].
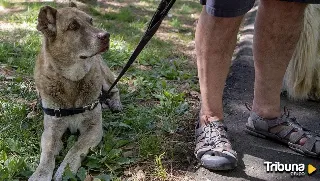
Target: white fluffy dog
[(302, 79)]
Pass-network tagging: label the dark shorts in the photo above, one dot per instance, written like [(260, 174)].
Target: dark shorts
[(233, 8)]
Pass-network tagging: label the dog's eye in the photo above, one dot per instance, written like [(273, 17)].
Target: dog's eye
[(74, 25), (91, 21)]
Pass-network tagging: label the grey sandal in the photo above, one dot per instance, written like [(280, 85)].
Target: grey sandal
[(213, 149), (290, 133)]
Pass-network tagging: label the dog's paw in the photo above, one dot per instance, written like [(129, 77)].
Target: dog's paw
[(104, 106), (59, 173), (40, 175), (58, 176), (114, 105)]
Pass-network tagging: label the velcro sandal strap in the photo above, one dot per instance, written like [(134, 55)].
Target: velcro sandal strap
[(262, 124), (296, 136), (285, 131), (274, 122), (317, 147), (310, 143)]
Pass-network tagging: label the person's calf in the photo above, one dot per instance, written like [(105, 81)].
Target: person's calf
[(277, 29), (215, 41)]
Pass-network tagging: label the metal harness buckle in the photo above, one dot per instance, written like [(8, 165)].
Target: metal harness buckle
[(57, 112), (91, 106)]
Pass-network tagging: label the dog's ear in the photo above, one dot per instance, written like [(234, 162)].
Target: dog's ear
[(72, 4), (47, 21)]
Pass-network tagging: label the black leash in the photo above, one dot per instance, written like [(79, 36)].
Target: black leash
[(159, 15)]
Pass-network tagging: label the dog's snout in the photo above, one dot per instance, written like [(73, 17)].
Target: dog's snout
[(104, 36)]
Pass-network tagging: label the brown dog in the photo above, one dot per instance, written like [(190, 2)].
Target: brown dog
[(69, 76)]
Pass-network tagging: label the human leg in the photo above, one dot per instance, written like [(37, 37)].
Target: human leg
[(215, 41), (277, 30)]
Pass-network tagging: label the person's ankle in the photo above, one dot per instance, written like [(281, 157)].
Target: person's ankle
[(266, 113), (204, 119)]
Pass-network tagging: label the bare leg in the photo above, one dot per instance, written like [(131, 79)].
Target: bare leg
[(215, 43), (277, 29)]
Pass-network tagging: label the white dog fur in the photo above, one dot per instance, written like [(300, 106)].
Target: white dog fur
[(302, 79)]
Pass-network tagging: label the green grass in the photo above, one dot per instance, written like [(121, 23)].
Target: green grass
[(160, 171), (154, 93), (186, 9), (175, 23)]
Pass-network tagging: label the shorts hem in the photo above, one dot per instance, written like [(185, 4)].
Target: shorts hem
[(228, 13)]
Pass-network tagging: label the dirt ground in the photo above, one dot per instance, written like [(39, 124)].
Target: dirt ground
[(253, 151)]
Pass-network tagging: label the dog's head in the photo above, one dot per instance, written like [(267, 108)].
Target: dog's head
[(70, 35)]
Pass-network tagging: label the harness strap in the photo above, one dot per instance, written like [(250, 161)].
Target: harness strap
[(69, 112)]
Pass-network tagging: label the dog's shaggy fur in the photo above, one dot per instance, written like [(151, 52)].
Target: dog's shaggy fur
[(302, 79)]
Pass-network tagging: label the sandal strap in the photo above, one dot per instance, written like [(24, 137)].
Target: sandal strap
[(297, 136), (260, 123), (317, 147), (310, 143), (285, 131), (275, 122), (212, 137), (290, 132)]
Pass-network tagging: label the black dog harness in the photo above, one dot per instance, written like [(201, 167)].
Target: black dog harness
[(69, 112), (159, 15)]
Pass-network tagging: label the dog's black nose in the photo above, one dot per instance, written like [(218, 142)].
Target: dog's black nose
[(104, 36)]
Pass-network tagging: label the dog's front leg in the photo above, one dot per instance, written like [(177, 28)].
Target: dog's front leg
[(90, 136), (114, 102), (51, 144)]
